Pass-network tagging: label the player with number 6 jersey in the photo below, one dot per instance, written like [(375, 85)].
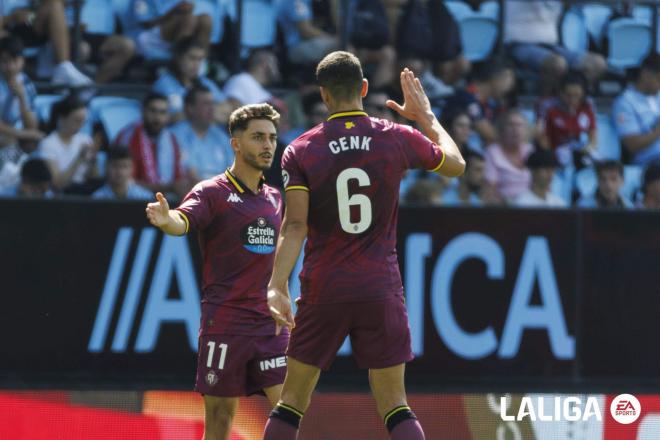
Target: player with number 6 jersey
[(342, 187)]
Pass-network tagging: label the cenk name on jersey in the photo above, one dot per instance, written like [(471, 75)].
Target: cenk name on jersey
[(346, 143)]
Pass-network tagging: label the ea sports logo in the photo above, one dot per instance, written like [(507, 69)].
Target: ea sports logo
[(625, 408)]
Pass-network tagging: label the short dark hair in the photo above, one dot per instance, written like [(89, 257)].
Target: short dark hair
[(542, 158), (651, 174), (573, 77), (241, 117), (651, 62), (63, 108), (489, 69), (191, 95), (118, 152), (341, 74), (153, 96), (36, 170), (609, 165), (184, 45), (11, 45), (257, 57)]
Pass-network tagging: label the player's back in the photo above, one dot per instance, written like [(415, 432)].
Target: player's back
[(352, 166)]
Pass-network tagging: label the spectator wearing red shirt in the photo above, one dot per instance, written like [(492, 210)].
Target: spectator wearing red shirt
[(570, 122)]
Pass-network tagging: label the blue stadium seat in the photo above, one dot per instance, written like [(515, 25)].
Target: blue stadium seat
[(9, 5), (562, 184), (98, 17), (43, 105), (643, 14), (491, 9), (586, 181), (478, 35), (629, 42), (596, 17), (459, 9), (632, 181), (608, 139), (259, 26), (114, 113), (574, 34)]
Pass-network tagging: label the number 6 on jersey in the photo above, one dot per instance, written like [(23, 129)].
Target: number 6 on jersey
[(345, 202)]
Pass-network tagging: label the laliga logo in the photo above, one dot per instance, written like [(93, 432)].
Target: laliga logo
[(625, 408), (560, 408)]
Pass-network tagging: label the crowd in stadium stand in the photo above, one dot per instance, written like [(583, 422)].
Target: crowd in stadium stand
[(549, 103)]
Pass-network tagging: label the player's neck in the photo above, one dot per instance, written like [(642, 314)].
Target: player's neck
[(248, 175), (341, 107)]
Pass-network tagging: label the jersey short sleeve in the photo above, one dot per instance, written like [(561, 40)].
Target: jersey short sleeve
[(420, 151), (196, 208), (292, 174)]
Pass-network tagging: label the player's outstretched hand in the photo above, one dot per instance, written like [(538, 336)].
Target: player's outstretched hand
[(158, 212), (279, 305), (416, 104)]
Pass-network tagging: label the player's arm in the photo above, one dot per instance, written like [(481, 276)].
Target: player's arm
[(416, 107), (289, 244), (168, 220)]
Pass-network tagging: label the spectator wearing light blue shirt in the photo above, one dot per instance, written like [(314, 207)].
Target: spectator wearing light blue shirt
[(306, 43), (183, 74), (120, 184), (636, 114), (205, 147), (18, 120), (167, 22)]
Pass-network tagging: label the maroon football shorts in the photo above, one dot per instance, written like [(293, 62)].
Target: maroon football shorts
[(237, 365), (379, 333)]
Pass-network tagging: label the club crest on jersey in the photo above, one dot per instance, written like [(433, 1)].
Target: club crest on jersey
[(233, 197), (211, 378), (259, 237), (349, 125)]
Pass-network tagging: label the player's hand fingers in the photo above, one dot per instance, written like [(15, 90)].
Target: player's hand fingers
[(394, 106), (162, 201)]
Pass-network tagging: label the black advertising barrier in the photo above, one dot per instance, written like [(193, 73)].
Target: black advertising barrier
[(92, 295)]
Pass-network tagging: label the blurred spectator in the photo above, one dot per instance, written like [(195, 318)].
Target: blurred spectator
[(249, 87), (111, 54), (424, 192), (168, 22), (70, 153), (205, 148), (183, 74), (505, 161), (36, 28), (315, 110), (369, 39), (375, 104), (636, 114), (651, 187), (35, 181), (305, 42), (119, 172), (543, 165), (459, 126), (608, 192), (483, 99), (531, 33), (570, 123), (154, 148), (473, 188), (18, 121)]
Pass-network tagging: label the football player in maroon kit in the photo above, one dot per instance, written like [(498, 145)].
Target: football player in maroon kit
[(342, 185), (237, 218)]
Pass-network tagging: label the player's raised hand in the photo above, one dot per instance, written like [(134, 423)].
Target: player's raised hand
[(416, 104), (279, 305), (158, 212)]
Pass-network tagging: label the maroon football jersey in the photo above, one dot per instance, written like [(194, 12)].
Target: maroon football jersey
[(237, 233), (352, 166)]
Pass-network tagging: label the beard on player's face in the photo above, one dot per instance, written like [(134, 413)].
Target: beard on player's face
[(253, 161)]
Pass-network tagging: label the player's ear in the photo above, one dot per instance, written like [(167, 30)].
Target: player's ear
[(234, 144), (365, 88), (325, 96)]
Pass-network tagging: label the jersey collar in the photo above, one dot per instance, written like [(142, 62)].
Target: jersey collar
[(348, 113), (238, 183)]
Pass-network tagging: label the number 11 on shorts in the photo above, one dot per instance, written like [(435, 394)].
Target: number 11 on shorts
[(223, 354)]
